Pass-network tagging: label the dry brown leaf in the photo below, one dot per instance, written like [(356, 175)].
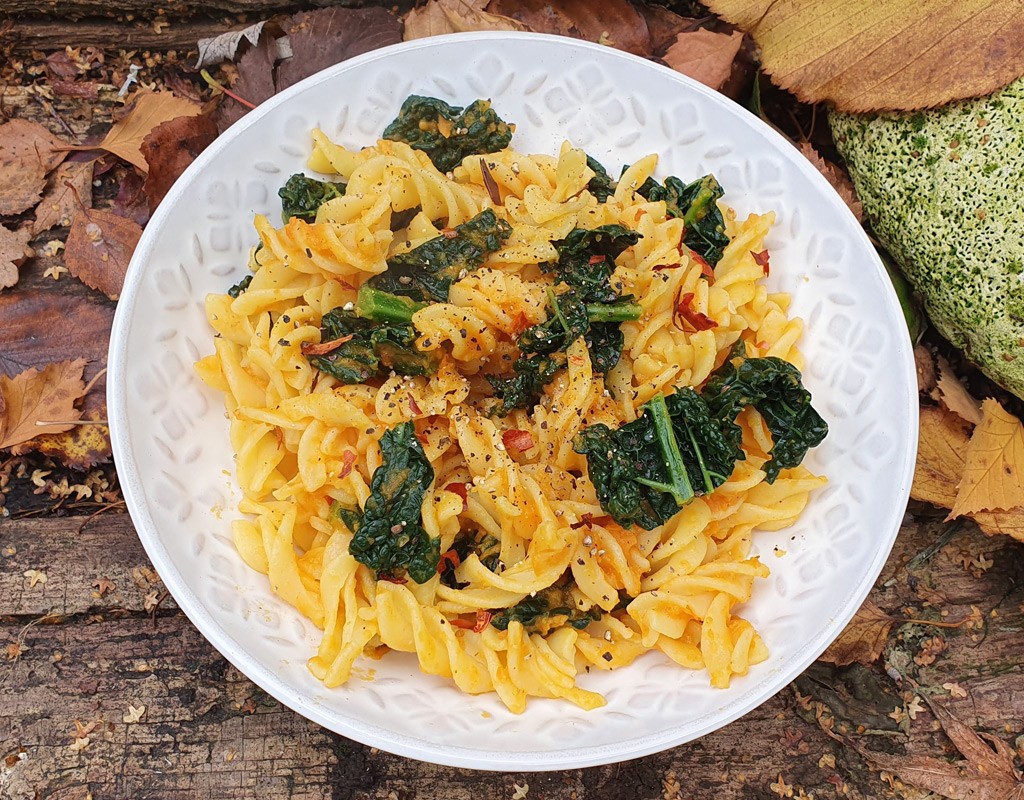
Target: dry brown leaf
[(61, 201), (954, 395), (704, 55), (862, 640), (99, 248), (925, 364), (225, 47), (663, 26), (941, 455), (33, 396), (992, 478), (439, 17), (14, 251), (27, 152), (131, 201), (148, 110), (170, 148), (888, 54), (613, 22), (836, 177), (987, 773)]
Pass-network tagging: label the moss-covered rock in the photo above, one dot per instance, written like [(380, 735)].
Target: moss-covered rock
[(944, 190)]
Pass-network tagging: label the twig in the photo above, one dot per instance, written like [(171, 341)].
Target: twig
[(97, 512), (53, 113), (215, 84), (42, 423)]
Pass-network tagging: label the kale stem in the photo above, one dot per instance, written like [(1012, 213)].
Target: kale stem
[(553, 299), (613, 312), (708, 484), (380, 306), (679, 487)]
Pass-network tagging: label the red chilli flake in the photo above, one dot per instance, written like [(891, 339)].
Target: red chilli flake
[(597, 259), (451, 557), (465, 624), (461, 490), (392, 579), (587, 519), (489, 183), (705, 268), (482, 618), (762, 260), (685, 312), (521, 323), (449, 233), (310, 349), (660, 267), (517, 440), (348, 460), (414, 406)]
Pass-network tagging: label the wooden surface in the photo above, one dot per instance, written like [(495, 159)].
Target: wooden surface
[(71, 652)]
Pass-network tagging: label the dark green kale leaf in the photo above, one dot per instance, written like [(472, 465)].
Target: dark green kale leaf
[(774, 388), (477, 129), (486, 548), (390, 538), (373, 349), (604, 341), (586, 260), (567, 321), (428, 271), (240, 287), (544, 611), (687, 444), (696, 204), (601, 185), (522, 389), (302, 196)]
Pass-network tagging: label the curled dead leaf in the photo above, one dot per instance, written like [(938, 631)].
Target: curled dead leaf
[(146, 112), (28, 151), (836, 177), (612, 22), (35, 396), (888, 54), (954, 395), (225, 47), (439, 17), (68, 188), (704, 55), (862, 640), (99, 248), (169, 148), (14, 251)]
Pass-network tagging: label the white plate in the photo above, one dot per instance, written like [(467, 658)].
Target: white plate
[(170, 431)]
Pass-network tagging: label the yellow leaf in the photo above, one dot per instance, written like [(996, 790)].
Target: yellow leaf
[(438, 17), (992, 477), (149, 110), (33, 396), (941, 453), (955, 396), (884, 54), (862, 640)]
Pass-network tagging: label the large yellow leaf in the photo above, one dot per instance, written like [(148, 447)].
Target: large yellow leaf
[(149, 109), (992, 472), (34, 396), (863, 639), (941, 449), (884, 54)]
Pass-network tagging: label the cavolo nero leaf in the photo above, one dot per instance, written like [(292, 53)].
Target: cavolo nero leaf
[(522, 388), (586, 260), (302, 196), (544, 611), (389, 537), (447, 134), (240, 287), (687, 444), (427, 272), (601, 185), (696, 204)]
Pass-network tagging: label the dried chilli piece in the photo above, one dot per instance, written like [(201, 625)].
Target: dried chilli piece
[(706, 269), (348, 460), (762, 260), (414, 406), (482, 619), (449, 557), (392, 579), (518, 440), (461, 490), (465, 624), (685, 312), (587, 519), (449, 233), (310, 349), (490, 184)]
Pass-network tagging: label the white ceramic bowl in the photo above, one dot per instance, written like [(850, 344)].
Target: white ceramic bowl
[(170, 431)]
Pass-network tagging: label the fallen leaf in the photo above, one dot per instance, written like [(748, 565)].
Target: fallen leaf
[(520, 791), (836, 177), (225, 46), (439, 17), (134, 714), (254, 84), (34, 396), (704, 55), (99, 248), (954, 395), (147, 111), (612, 22), (151, 600), (328, 36), (14, 251), (28, 151), (888, 54), (663, 26), (60, 66), (87, 90), (248, 707), (926, 370), (170, 148), (986, 773), (14, 651), (34, 576), (79, 745), (991, 476), (955, 689), (103, 585), (862, 640), (82, 447), (68, 189), (941, 452), (131, 201)]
